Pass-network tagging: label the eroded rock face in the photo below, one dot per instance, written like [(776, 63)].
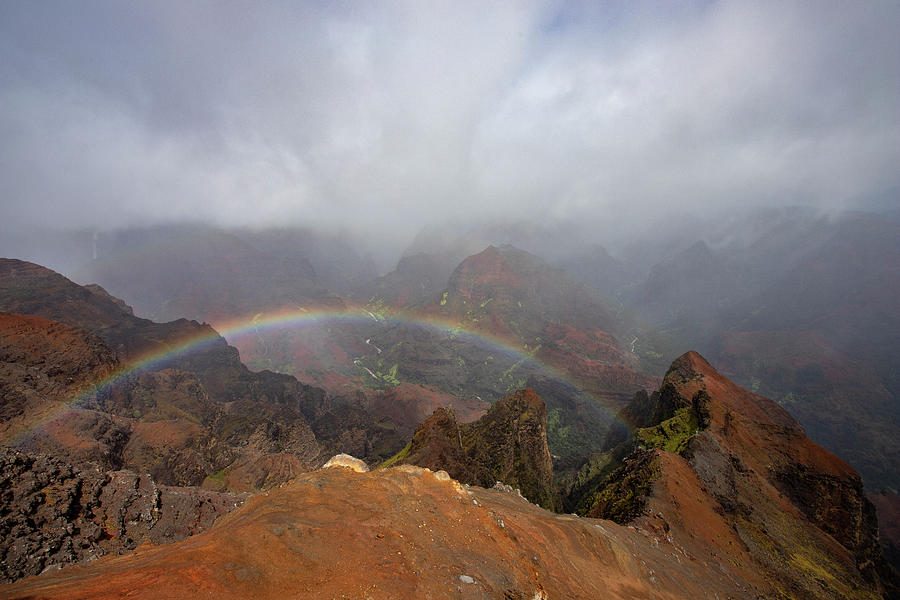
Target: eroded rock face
[(735, 473), (508, 444), (185, 421), (437, 444), (839, 507), (403, 533), (888, 507), (54, 514)]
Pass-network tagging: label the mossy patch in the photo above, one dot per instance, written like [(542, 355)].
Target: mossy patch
[(396, 458), (671, 435), (581, 491), (216, 481), (627, 490)]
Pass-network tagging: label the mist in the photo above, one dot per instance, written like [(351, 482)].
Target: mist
[(381, 120)]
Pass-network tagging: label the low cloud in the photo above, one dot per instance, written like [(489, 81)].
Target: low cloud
[(393, 116)]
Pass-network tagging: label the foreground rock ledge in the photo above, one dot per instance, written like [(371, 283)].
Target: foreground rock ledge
[(396, 533)]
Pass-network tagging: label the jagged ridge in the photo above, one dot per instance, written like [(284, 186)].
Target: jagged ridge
[(508, 445)]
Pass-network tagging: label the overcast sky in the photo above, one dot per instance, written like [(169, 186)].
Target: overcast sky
[(381, 115)]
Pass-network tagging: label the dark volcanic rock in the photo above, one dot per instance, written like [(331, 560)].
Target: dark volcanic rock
[(437, 444), (626, 490), (508, 444), (838, 506), (53, 514), (887, 504)]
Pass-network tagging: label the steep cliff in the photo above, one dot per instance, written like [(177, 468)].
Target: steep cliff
[(736, 475), (507, 445)]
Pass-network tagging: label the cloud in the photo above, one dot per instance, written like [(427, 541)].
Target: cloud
[(391, 116)]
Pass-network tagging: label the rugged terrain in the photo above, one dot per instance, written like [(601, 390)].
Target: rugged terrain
[(192, 408), (736, 475), (788, 516), (403, 532), (718, 491), (164, 422), (888, 506), (801, 309), (506, 320), (515, 296), (500, 319), (55, 514), (507, 445)]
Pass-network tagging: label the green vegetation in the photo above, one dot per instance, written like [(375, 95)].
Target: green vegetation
[(581, 490), (816, 572), (396, 458), (376, 377), (596, 466), (391, 376), (572, 434), (555, 428), (377, 307), (624, 497), (216, 481), (671, 435), (509, 380), (218, 476)]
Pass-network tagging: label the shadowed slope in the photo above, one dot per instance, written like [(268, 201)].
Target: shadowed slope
[(507, 445)]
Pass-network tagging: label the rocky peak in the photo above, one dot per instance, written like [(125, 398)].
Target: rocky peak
[(492, 268), (508, 444), (437, 444), (719, 457), (691, 373), (511, 294)]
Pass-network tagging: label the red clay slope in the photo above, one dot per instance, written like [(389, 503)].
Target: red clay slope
[(41, 362), (398, 533), (752, 489)]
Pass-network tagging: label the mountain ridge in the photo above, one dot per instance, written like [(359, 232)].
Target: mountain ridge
[(733, 474)]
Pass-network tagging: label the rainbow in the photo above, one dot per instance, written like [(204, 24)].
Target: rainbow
[(259, 323), (234, 329)]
